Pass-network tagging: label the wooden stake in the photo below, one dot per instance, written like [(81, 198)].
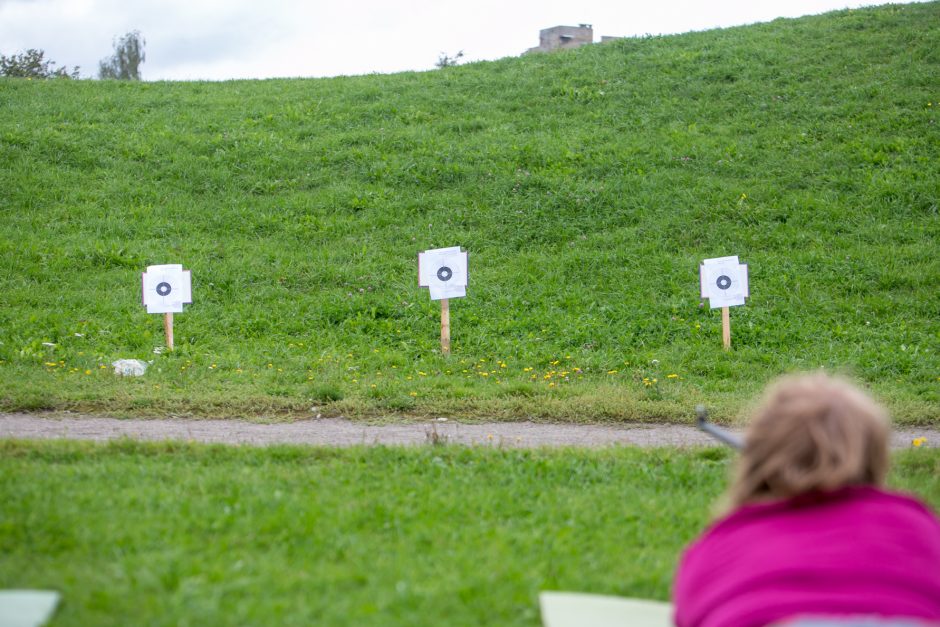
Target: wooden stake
[(726, 328), (445, 327), (168, 328)]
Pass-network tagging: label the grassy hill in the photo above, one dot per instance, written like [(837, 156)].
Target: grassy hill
[(587, 186)]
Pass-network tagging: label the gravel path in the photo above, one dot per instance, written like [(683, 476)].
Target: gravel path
[(341, 432)]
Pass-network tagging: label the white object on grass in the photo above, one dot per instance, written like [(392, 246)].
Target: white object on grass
[(130, 367), (573, 609), (444, 272), (166, 288), (724, 282), (27, 608)]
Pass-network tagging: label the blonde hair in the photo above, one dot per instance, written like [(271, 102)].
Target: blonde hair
[(811, 433)]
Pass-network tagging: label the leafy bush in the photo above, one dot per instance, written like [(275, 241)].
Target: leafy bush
[(32, 64)]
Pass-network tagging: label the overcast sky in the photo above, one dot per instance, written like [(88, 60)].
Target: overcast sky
[(223, 39)]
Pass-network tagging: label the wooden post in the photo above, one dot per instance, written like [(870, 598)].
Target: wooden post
[(726, 328), (168, 328), (445, 327)]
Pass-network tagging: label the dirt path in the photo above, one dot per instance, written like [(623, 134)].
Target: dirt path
[(340, 432)]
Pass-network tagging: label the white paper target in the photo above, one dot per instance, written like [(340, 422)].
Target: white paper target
[(444, 272), (166, 288), (724, 281)]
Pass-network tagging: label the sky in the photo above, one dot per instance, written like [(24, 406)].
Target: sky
[(231, 39)]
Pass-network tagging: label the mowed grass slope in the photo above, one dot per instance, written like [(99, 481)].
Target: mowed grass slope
[(587, 186), (169, 534)]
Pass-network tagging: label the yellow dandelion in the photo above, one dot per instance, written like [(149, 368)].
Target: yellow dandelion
[(918, 442), (412, 393), (611, 372), (672, 376), (88, 372)]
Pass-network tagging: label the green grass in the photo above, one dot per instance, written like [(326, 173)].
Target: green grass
[(168, 534), (587, 186)]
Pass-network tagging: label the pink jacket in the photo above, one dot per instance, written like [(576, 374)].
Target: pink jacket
[(857, 551)]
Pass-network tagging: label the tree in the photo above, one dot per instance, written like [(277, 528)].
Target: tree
[(444, 60), (32, 64), (124, 64)]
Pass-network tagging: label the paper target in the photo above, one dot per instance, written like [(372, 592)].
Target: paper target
[(724, 281), (166, 288), (444, 272)]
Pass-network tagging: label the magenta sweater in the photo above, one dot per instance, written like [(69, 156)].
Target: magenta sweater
[(858, 551)]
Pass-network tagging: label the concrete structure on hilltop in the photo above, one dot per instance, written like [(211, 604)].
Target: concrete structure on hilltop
[(564, 37)]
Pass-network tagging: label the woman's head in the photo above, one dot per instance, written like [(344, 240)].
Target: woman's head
[(811, 433)]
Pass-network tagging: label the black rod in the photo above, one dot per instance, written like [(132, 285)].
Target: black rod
[(722, 435)]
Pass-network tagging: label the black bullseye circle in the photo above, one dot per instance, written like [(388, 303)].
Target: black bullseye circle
[(164, 288), (723, 282), (445, 273)]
